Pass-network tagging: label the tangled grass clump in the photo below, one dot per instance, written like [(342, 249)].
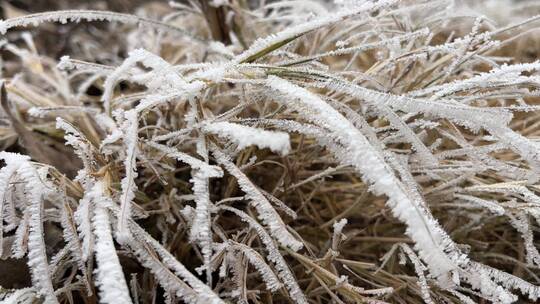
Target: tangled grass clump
[(376, 151)]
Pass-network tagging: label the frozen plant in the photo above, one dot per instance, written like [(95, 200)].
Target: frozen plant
[(376, 151)]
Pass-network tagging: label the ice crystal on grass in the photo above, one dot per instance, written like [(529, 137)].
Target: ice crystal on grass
[(244, 136), (110, 278), (83, 15), (20, 296), (13, 162), (430, 238), (280, 152), (37, 257), (128, 182), (267, 213), (269, 277), (283, 271)]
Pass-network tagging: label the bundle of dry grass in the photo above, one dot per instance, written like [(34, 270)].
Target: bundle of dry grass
[(285, 152)]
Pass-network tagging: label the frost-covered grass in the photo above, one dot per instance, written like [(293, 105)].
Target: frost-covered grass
[(286, 152)]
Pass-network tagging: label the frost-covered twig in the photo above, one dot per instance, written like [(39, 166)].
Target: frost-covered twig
[(86, 15), (432, 242), (110, 278)]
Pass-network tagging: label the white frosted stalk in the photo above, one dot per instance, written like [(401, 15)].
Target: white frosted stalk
[(266, 211), (255, 259), (203, 293), (493, 120), (431, 241), (262, 46), (77, 16), (128, 182), (245, 136), (110, 278), (20, 296), (283, 271), (73, 243), (13, 162), (37, 256), (201, 230)]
